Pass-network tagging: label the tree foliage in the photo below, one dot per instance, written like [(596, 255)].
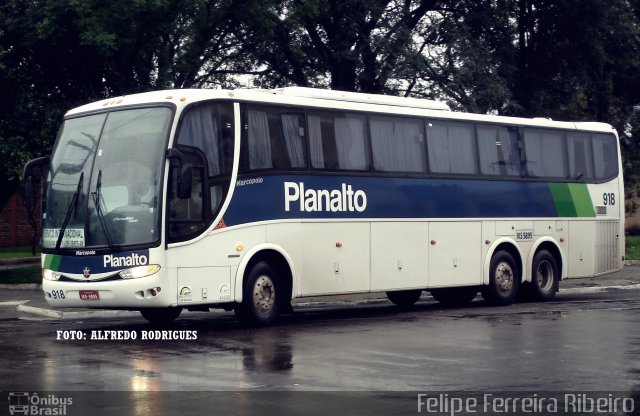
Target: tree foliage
[(564, 59)]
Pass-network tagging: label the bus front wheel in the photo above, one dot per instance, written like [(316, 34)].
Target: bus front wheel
[(260, 297), (504, 280), (161, 315), (404, 298)]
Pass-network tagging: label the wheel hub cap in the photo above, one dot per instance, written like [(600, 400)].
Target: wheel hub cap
[(263, 294), (504, 277)]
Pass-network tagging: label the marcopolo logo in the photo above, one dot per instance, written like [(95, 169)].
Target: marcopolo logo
[(22, 403), (127, 260), (329, 200)]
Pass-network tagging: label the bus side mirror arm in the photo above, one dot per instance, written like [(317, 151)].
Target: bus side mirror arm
[(27, 179), (175, 155)]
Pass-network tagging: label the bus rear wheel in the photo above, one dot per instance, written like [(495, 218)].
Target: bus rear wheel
[(261, 296), (545, 276), (504, 280), (404, 298), (161, 315), (454, 296)]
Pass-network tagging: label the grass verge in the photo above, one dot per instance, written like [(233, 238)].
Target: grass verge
[(27, 274), (17, 252), (632, 251)]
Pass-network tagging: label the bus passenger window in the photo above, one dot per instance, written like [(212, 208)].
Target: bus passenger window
[(605, 154), (451, 147), (580, 157), (258, 140), (274, 140), (544, 153), (398, 145), (338, 142), (499, 151)]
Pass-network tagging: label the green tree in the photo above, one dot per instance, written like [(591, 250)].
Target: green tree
[(57, 54), (352, 45), (564, 59)]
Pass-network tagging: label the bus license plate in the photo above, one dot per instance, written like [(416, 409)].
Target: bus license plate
[(524, 235), (89, 295)]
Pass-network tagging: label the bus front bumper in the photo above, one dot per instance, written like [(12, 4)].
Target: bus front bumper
[(146, 292)]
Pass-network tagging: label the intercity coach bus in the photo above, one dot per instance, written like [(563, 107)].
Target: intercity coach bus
[(246, 199)]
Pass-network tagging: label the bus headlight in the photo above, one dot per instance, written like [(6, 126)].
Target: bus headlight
[(49, 274), (140, 271)]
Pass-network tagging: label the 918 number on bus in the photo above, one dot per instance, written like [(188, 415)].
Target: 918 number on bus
[(609, 198), (57, 294)]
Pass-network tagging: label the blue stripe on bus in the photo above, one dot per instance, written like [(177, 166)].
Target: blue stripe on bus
[(263, 198)]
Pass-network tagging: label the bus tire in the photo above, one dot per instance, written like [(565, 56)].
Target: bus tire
[(504, 280), (261, 296), (545, 276), (161, 315), (455, 296), (404, 298)]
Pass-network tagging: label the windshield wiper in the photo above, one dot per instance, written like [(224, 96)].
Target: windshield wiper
[(74, 202), (96, 200)]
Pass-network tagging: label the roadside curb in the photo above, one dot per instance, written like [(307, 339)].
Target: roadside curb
[(52, 314), (46, 313), (590, 289), (21, 286), (20, 261)]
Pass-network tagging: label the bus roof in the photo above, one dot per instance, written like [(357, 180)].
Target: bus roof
[(330, 99)]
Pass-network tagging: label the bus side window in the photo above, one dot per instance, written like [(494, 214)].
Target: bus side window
[(545, 155), (322, 142), (397, 144), (580, 156), (450, 147), (338, 141), (605, 155), (274, 139), (499, 151), (205, 139)]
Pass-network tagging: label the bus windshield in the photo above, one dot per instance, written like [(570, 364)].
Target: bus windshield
[(104, 181)]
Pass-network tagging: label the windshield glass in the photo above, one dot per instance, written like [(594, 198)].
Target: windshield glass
[(111, 164)]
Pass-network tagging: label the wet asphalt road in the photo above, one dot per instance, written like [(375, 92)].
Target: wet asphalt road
[(579, 342)]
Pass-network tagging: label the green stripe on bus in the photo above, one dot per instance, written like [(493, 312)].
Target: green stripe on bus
[(582, 200), (572, 200), (52, 262), (562, 199), (47, 261)]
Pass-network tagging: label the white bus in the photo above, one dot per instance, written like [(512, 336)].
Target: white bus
[(246, 199)]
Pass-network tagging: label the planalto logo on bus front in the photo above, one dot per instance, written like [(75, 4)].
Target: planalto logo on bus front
[(133, 259), (329, 200)]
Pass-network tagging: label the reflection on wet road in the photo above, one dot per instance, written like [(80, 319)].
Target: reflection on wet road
[(580, 342)]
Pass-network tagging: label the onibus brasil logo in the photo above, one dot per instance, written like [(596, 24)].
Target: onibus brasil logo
[(23, 403)]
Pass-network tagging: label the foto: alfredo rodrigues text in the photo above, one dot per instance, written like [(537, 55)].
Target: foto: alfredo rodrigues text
[(124, 335)]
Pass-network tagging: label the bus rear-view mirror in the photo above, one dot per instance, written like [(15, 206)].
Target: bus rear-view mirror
[(185, 182)]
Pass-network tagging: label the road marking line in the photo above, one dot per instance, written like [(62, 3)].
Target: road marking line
[(13, 302), (594, 289)]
